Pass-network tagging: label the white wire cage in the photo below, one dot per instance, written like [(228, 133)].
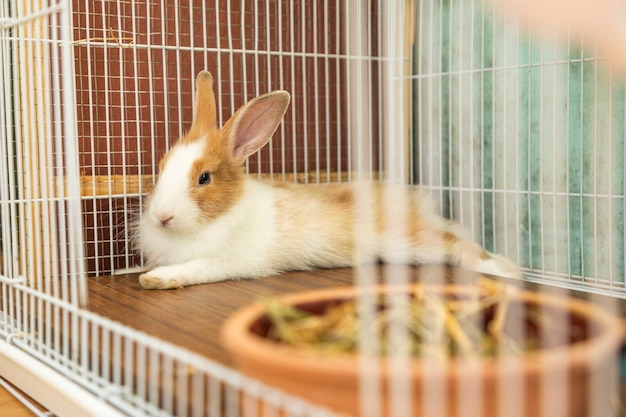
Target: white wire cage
[(95, 92), (135, 69), (507, 129)]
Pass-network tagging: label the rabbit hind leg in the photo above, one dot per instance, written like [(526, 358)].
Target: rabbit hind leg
[(445, 247)]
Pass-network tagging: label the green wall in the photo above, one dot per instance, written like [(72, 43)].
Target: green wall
[(522, 140)]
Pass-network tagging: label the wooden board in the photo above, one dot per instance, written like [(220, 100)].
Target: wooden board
[(192, 316)]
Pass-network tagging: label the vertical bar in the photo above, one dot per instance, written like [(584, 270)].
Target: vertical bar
[(205, 35), (23, 131), (385, 153), (191, 32), (218, 37), (518, 237), (326, 72), (155, 376), (360, 135), (7, 204), (164, 59), (128, 251), (568, 159), (85, 347), (419, 75), (46, 187), (32, 67), (231, 64), (92, 145), (492, 183), (338, 64), (528, 168), (198, 397), (182, 388), (108, 124), (8, 219), (15, 161), (483, 70), (472, 116), (294, 102), (141, 371), (593, 172), (316, 91), (460, 124), (168, 388), (447, 57), (305, 94), (504, 116), (153, 144), (268, 57), (441, 100), (541, 191), (257, 75), (557, 163), (623, 197), (116, 359), (348, 31), (128, 361), (122, 138), (430, 121), (281, 74), (178, 69), (51, 269), (95, 350), (44, 152), (231, 400), (581, 173), (215, 395), (255, 57), (610, 196)]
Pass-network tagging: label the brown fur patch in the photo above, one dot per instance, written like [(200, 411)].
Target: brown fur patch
[(226, 184), (163, 161), (450, 241), (339, 195), (205, 114), (449, 238)]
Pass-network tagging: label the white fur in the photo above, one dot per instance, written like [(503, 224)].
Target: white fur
[(236, 245), (171, 195), (499, 265), (270, 230)]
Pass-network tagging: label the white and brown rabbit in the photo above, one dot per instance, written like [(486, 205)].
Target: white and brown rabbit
[(206, 221)]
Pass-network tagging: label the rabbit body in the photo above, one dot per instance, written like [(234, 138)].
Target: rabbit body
[(252, 239), (206, 221)]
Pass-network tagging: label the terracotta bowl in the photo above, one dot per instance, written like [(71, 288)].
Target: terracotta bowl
[(577, 377)]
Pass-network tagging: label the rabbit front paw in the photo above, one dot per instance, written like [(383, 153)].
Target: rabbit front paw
[(160, 279)]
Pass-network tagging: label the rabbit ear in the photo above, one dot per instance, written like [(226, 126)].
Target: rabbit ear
[(205, 115), (252, 126)]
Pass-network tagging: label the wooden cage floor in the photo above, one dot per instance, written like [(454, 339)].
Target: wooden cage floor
[(191, 317)]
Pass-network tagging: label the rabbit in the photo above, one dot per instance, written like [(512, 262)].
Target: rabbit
[(206, 221)]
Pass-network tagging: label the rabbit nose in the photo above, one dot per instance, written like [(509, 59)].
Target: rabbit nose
[(163, 219)]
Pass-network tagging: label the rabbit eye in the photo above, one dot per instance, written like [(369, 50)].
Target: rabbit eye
[(204, 178)]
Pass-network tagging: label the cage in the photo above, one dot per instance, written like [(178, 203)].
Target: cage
[(518, 137)]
